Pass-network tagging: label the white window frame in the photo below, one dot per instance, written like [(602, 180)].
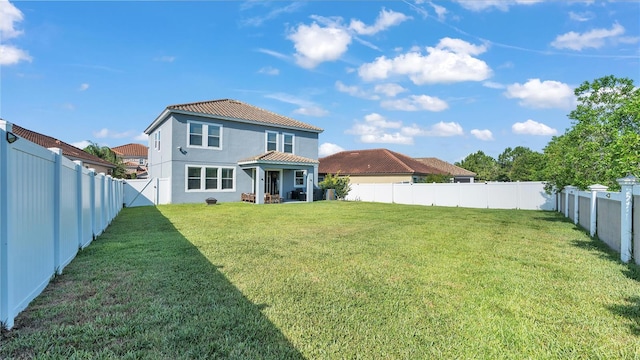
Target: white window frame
[(156, 140), (205, 135), (304, 177), (293, 143), (203, 173), (266, 140)]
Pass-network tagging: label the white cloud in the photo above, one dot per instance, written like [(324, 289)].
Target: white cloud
[(141, 137), (274, 13), (315, 111), (448, 62), (389, 89), (440, 11), (531, 127), (275, 54), (327, 149), (385, 20), (595, 38), (583, 16), (268, 70), (315, 44), (479, 5), (484, 135), (416, 103), (10, 55), (83, 87), (355, 91), (493, 85), (377, 129), (9, 16), (106, 133), (165, 58), (306, 107), (81, 144), (546, 94)]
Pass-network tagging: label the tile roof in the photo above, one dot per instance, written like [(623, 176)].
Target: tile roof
[(373, 162), (445, 166), (234, 109), (68, 151), (132, 150), (278, 157)]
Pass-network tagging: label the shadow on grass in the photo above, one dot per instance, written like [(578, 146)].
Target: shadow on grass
[(142, 290), (630, 310)]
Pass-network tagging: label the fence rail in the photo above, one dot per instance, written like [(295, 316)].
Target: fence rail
[(608, 215), (50, 207), (515, 195)]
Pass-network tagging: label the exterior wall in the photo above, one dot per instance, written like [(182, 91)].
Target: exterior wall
[(239, 141), (380, 179), (609, 213), (160, 160)]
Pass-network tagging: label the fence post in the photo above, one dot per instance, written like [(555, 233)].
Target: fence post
[(92, 201), (594, 207), (57, 208), (576, 206), (626, 211), (79, 212), (567, 189), (5, 319)]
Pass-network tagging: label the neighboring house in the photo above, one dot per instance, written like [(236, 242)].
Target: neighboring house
[(134, 156), (376, 166), (459, 174), (224, 148), (69, 151)]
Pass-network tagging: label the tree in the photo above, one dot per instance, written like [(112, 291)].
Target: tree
[(520, 164), (603, 143), (105, 153), (341, 184), (485, 167)]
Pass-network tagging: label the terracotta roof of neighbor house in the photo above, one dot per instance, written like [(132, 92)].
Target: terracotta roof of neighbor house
[(278, 157), (68, 151), (445, 166), (373, 162), (237, 110), (132, 150)]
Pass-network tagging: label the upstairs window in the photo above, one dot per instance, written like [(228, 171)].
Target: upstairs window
[(272, 141), (287, 145), (156, 140), (205, 135)]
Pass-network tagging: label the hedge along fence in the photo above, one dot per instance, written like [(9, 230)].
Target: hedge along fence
[(608, 215), (50, 207)]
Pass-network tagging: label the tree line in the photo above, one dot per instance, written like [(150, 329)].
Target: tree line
[(602, 144)]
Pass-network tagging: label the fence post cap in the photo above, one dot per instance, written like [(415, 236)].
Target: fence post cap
[(628, 180), (598, 187)]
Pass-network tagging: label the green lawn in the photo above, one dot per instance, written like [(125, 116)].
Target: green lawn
[(333, 280)]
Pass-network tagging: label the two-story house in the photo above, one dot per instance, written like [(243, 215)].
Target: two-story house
[(134, 156), (224, 148)]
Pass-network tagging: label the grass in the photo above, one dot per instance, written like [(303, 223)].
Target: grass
[(336, 280)]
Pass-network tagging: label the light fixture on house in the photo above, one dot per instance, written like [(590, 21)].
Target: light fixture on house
[(11, 137)]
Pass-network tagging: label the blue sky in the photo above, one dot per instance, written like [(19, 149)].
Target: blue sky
[(424, 78)]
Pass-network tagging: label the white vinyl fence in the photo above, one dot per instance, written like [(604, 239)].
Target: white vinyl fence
[(513, 195), (147, 192), (50, 207), (611, 216)]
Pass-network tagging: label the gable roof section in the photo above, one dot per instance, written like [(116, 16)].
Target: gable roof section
[(373, 162), (277, 157), (229, 109), (132, 150), (68, 151), (445, 166)]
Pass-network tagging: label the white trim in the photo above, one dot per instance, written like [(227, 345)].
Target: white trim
[(266, 140), (293, 143), (203, 178), (205, 135)]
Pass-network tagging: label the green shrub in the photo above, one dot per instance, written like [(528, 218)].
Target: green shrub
[(339, 183)]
